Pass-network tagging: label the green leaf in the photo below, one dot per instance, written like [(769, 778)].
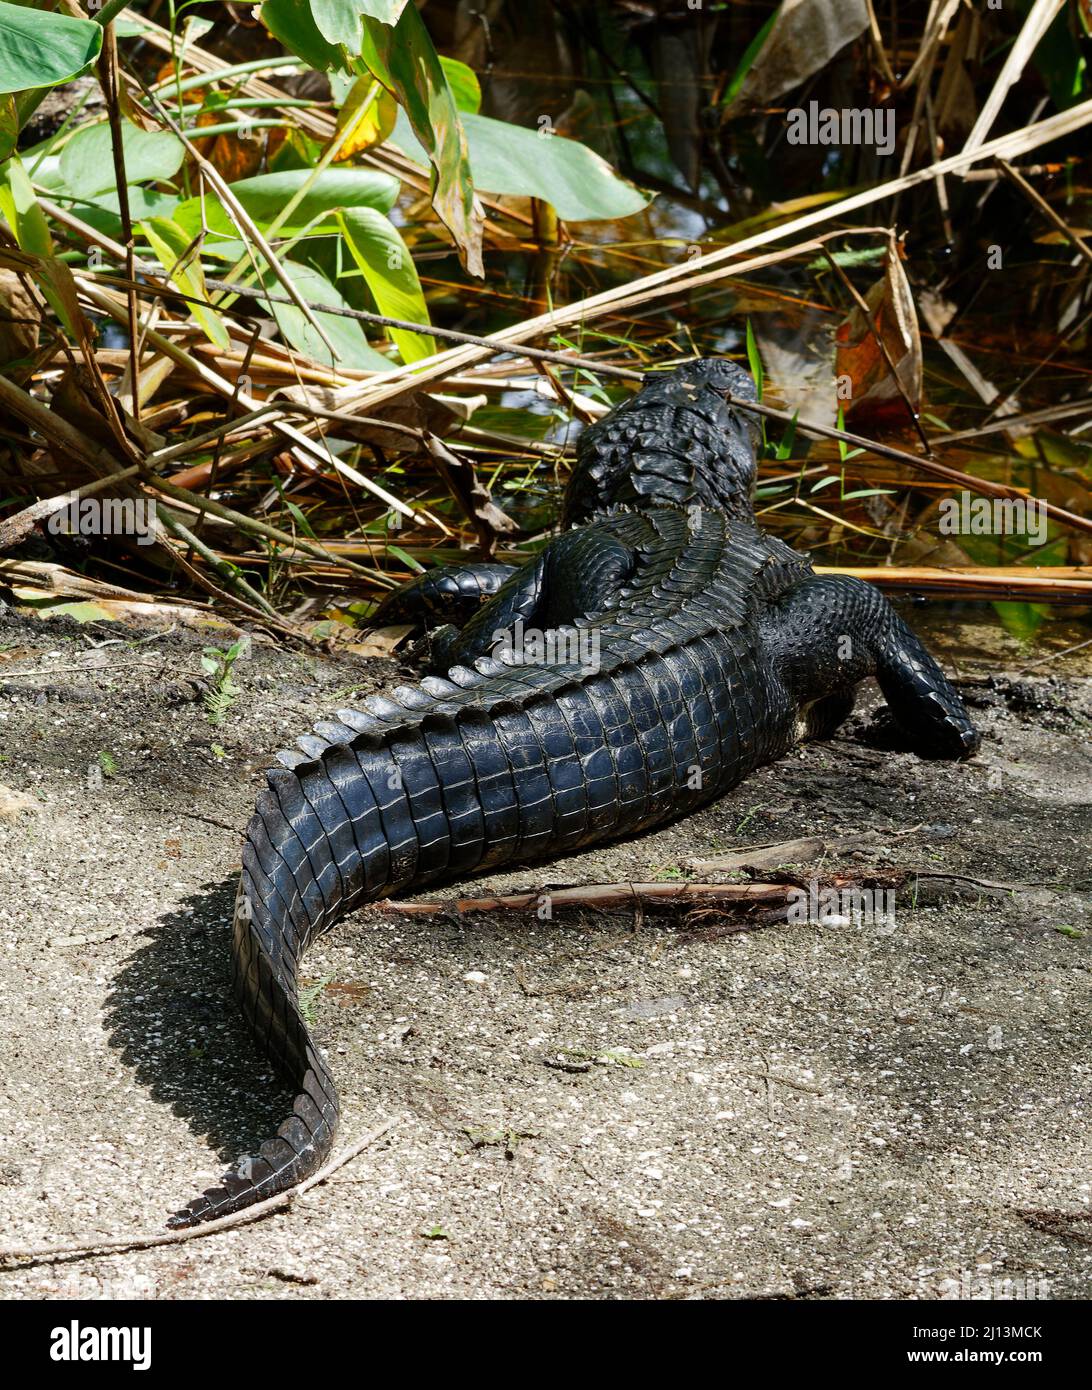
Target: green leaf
[(347, 336), (464, 84), (750, 53), (20, 209), (39, 49), (266, 194), (406, 558), (104, 214), (170, 242), (754, 360), (87, 161), (579, 184), (387, 266), (788, 440), (292, 22), (1022, 620)]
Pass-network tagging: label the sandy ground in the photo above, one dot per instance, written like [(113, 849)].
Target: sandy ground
[(596, 1106)]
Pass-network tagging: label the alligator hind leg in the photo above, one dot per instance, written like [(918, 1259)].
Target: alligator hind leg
[(831, 632)]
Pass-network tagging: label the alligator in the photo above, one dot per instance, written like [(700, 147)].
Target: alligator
[(714, 647)]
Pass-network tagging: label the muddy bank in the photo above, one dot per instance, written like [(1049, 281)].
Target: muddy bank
[(602, 1105)]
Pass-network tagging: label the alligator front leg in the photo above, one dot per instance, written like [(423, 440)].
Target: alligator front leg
[(575, 575), (831, 632), (448, 594)]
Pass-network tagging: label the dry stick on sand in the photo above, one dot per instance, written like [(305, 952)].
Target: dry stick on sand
[(146, 1240), (600, 895)]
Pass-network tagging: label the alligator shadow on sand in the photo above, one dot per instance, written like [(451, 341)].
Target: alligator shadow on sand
[(175, 1024)]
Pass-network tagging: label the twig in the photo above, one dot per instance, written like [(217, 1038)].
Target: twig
[(1008, 422), (1039, 18), (600, 895), (149, 1239), (254, 526), (229, 573), (1044, 207), (1048, 584), (315, 453), (15, 528), (1053, 656)]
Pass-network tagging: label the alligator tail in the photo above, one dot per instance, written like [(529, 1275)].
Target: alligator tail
[(374, 804)]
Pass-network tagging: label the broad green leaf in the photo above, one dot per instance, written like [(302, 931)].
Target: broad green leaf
[(347, 336), (339, 21), (579, 184), (39, 49), (266, 194), (9, 125), (464, 84), (170, 242), (87, 161), (387, 266)]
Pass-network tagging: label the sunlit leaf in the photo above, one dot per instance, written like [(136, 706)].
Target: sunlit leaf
[(387, 266), (170, 242), (39, 49), (464, 84), (25, 218), (339, 21), (404, 60)]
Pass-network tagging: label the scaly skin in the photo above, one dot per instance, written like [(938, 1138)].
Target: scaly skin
[(714, 647)]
